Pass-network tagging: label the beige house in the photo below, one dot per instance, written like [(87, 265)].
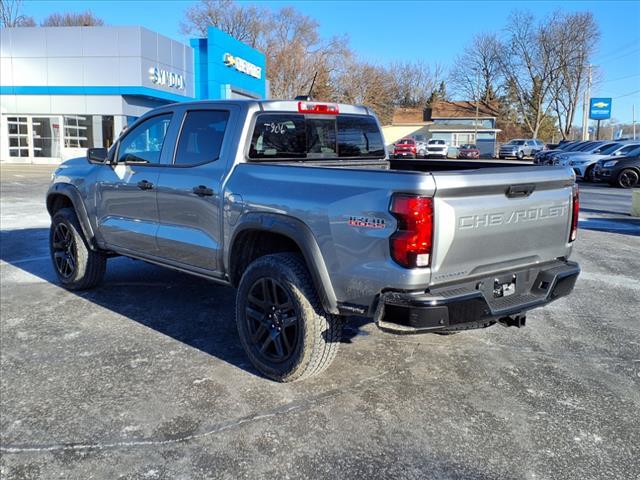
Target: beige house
[(454, 122)]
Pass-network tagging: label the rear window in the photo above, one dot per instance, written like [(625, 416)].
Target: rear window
[(436, 142), (294, 136), (468, 146), (406, 141)]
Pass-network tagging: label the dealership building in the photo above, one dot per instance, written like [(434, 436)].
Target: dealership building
[(66, 89)]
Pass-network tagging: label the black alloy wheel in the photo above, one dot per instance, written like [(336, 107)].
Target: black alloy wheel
[(65, 252), (272, 321), (628, 178)]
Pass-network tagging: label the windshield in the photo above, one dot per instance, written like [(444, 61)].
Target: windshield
[(516, 142), (292, 135), (436, 142), (607, 149), (468, 146)]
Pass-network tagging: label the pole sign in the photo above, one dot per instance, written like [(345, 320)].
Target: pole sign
[(600, 108)]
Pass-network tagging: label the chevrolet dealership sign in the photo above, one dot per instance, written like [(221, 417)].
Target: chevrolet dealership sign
[(600, 108), (166, 78), (242, 65)]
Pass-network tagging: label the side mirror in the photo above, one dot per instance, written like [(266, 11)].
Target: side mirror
[(97, 155)]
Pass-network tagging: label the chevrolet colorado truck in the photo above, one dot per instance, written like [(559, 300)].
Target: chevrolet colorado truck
[(297, 205)]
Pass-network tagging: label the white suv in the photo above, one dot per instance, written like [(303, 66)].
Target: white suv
[(437, 149)]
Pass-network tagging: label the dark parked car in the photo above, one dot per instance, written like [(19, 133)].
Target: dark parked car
[(623, 172), (468, 150)]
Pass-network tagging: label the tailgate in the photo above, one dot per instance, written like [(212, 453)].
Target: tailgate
[(491, 220)]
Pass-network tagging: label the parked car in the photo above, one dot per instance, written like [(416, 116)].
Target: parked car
[(520, 148), (296, 205), (623, 172), (584, 163), (541, 157), (405, 148), (552, 158), (565, 157), (468, 150), (437, 149)]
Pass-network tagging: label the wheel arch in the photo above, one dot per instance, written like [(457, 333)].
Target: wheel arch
[(65, 195), (260, 234)]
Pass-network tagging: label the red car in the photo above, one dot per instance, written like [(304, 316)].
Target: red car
[(468, 151), (405, 147)]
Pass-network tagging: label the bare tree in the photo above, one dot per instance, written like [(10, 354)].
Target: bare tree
[(80, 19), (246, 23), (371, 85), (476, 72), (10, 15), (576, 36), (415, 82), (529, 63)]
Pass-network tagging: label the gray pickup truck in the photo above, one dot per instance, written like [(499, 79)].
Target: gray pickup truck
[(297, 205)]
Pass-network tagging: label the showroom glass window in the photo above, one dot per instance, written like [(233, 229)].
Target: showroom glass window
[(201, 137), (144, 143), (18, 136)]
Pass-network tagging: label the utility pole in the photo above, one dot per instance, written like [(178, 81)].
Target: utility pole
[(475, 135), (585, 107)]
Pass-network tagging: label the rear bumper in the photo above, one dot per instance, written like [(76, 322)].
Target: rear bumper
[(472, 304)]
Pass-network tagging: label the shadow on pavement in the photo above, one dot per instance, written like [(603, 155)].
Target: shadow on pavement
[(190, 309)]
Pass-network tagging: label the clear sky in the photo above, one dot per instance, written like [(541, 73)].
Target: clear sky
[(433, 31)]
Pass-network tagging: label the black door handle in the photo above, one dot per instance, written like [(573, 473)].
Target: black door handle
[(202, 191), (145, 185)]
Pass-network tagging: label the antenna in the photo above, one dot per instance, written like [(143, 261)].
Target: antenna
[(313, 82)]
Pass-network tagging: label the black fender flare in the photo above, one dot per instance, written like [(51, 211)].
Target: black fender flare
[(301, 234), (73, 194)]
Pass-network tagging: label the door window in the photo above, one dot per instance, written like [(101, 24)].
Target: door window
[(144, 143), (201, 137)]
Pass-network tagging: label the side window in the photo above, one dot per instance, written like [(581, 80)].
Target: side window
[(201, 137), (144, 143), (627, 149)]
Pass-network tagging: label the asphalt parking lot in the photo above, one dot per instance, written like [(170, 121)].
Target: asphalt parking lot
[(144, 377)]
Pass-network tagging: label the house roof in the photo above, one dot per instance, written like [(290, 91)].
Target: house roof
[(463, 109), (444, 109)]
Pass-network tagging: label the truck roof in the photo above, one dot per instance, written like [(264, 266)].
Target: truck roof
[(282, 105)]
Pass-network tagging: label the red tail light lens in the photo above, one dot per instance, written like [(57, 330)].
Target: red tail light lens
[(322, 108), (574, 214), (412, 241)]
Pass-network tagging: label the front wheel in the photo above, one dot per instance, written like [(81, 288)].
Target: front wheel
[(588, 174), (520, 155), (77, 266), (628, 178), (283, 328)]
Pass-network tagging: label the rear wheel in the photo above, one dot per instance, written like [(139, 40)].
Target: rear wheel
[(77, 266), (628, 178), (283, 328)]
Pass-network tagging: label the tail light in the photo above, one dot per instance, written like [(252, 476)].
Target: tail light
[(322, 108), (574, 214), (411, 243)]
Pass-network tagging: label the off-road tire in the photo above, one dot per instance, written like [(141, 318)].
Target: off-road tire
[(318, 333), (89, 265)]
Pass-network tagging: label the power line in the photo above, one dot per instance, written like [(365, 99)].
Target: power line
[(628, 94), (609, 60), (617, 50), (621, 78)]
